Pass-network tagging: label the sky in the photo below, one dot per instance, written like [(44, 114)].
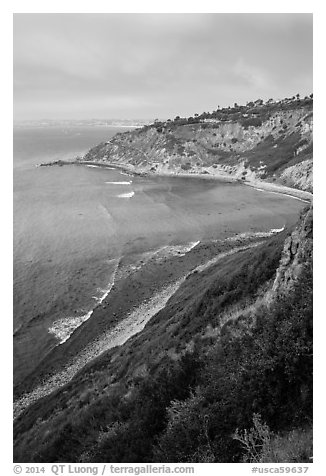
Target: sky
[(128, 66)]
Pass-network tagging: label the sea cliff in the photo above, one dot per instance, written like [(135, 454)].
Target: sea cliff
[(259, 142)]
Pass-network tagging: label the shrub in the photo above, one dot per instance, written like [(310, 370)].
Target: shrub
[(251, 121), (254, 440), (294, 447), (186, 166), (262, 446)]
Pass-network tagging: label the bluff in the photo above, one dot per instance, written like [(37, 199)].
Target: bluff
[(271, 142)]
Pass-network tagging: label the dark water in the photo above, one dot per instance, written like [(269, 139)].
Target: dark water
[(77, 228)]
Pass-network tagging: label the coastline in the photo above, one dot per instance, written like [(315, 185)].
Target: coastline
[(112, 310), (257, 184), (239, 221), (260, 185)]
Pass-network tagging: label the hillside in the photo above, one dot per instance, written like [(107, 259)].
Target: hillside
[(269, 142), (219, 365), (231, 350)]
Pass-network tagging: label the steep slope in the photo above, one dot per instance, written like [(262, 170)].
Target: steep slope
[(270, 142), (234, 340)]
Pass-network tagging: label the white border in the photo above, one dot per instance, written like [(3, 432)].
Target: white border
[(96, 6)]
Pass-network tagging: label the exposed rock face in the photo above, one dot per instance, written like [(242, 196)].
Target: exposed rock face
[(279, 149), (296, 253), (299, 175)]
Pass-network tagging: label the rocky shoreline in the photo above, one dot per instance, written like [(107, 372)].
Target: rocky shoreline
[(131, 170), (58, 163), (125, 312)]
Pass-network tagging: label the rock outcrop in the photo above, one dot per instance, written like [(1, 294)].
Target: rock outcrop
[(297, 252)]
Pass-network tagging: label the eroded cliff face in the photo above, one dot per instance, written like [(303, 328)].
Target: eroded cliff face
[(278, 150), (299, 175), (297, 253)]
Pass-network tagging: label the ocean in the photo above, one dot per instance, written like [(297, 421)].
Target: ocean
[(78, 229)]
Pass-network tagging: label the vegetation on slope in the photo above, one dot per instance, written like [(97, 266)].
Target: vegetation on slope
[(267, 371), (187, 387), (271, 141)]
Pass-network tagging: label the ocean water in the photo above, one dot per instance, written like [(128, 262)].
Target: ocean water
[(77, 229)]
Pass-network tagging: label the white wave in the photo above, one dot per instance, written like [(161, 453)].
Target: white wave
[(182, 250), (257, 234), (63, 328), (126, 195), (103, 293), (132, 324), (106, 291), (193, 244), (277, 230), (93, 166), (284, 194), (119, 183)]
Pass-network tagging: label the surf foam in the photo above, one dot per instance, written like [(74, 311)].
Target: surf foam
[(257, 234), (179, 250), (131, 325), (126, 195), (119, 183), (63, 328), (281, 193)]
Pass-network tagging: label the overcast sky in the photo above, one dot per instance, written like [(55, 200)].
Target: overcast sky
[(85, 66)]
